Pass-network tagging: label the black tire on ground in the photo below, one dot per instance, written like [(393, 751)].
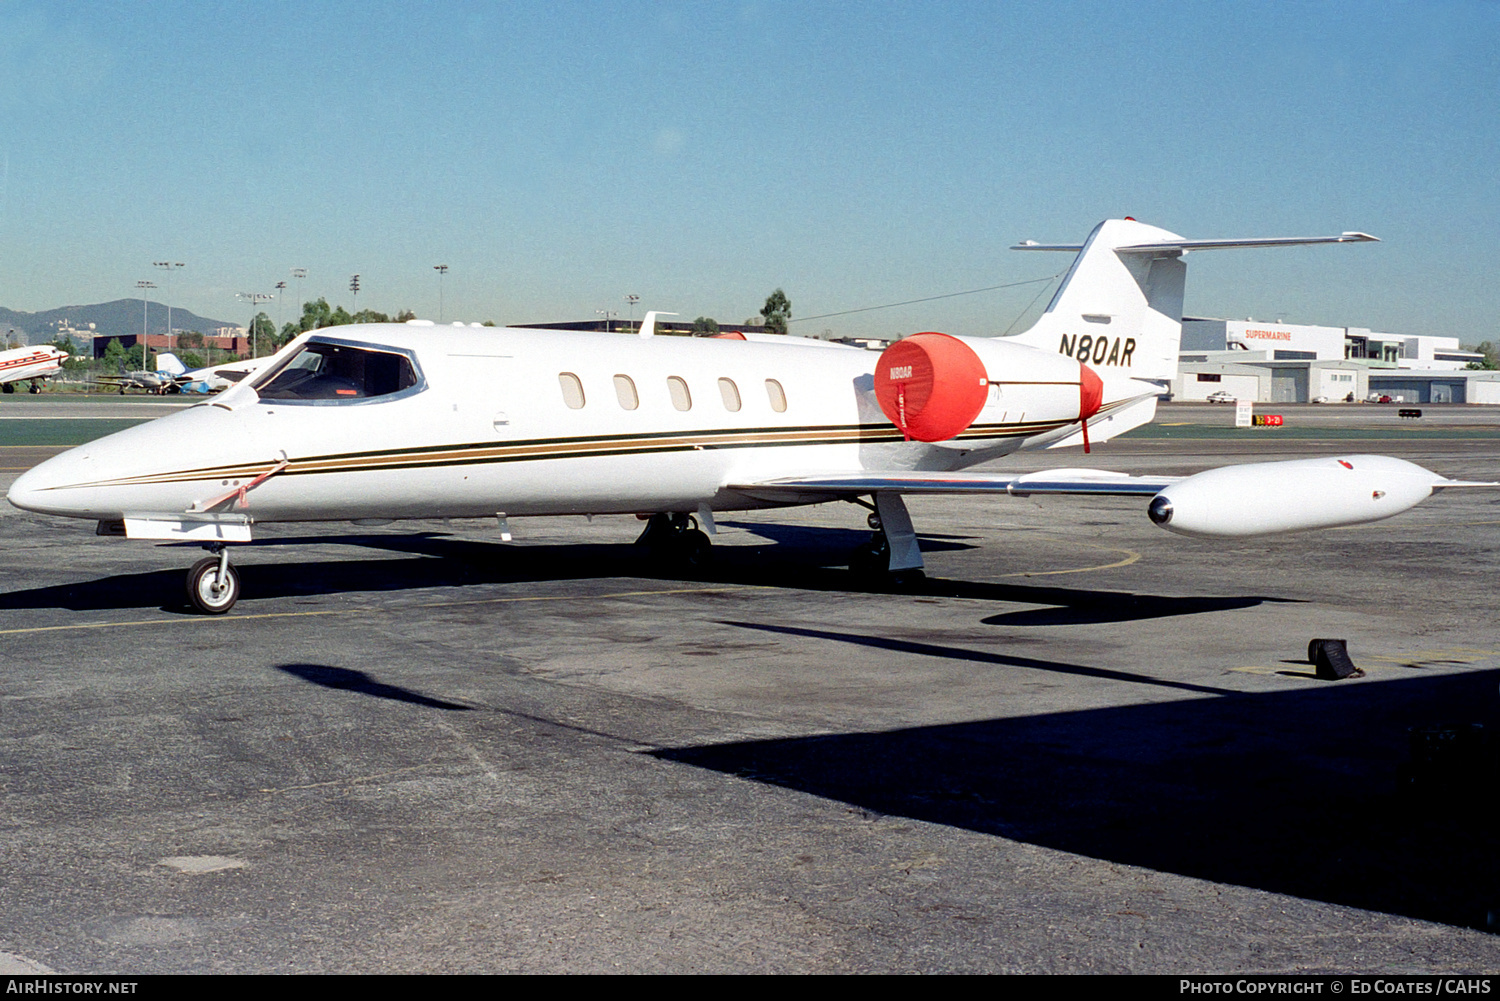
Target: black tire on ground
[(202, 590)]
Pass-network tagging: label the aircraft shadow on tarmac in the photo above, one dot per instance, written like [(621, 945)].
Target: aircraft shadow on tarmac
[(435, 560), (344, 679), (1308, 792)]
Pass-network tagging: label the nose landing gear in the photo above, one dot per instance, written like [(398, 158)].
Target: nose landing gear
[(212, 584)]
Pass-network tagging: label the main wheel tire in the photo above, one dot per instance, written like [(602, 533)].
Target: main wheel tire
[(695, 550), (871, 559), (205, 591)]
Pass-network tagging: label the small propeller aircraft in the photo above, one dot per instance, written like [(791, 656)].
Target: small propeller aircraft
[(34, 365), (393, 421)]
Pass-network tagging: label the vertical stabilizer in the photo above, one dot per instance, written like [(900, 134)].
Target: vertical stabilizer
[(1119, 313)]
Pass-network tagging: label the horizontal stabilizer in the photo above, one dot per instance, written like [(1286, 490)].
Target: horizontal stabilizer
[(1167, 246)]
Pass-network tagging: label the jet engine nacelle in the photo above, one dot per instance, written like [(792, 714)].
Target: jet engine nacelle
[(932, 386), (1266, 497)]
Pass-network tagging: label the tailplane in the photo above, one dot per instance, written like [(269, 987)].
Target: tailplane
[(1119, 308)]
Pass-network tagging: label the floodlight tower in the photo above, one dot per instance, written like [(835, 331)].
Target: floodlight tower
[(168, 267), (299, 274), (144, 286), (632, 298), (442, 270), (254, 299), (354, 287)]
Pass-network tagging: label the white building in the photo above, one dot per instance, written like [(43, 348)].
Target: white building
[(1297, 363), (1304, 342)]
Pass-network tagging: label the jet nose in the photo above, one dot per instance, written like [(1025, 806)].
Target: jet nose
[(37, 488), (25, 492)]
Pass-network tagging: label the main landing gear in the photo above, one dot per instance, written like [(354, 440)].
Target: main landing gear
[(212, 584), (891, 557), (674, 540)]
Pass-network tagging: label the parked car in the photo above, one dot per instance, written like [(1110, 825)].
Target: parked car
[(1221, 396)]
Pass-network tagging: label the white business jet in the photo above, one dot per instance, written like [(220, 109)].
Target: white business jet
[(388, 421), (34, 365)]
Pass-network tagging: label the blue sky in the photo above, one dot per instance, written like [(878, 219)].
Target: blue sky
[(560, 156)]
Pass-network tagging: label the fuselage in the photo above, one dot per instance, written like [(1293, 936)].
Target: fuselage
[(20, 364), (470, 422)]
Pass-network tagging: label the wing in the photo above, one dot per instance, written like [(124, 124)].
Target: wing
[(1047, 481), (1256, 498)]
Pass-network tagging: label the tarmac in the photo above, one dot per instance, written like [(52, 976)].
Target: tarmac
[(1083, 745)]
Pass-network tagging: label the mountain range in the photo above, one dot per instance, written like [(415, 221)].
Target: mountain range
[(120, 318)]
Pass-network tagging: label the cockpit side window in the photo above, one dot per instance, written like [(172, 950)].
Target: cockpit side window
[(337, 372)]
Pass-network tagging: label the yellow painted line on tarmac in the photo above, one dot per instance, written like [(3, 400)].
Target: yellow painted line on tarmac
[(371, 608), (1277, 672), (1442, 655), (1130, 557)]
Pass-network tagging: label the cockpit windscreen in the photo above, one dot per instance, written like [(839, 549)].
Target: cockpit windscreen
[(324, 371)]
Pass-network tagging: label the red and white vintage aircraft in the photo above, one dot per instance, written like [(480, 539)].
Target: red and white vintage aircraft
[(393, 421), (34, 365)]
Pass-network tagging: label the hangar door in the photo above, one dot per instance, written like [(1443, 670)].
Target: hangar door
[(1288, 385), (1447, 392)]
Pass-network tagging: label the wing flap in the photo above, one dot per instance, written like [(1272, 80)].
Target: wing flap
[(1098, 482)]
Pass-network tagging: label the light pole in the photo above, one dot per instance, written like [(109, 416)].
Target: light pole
[(299, 274), (632, 298), (168, 267), (144, 285), (442, 270), (281, 312), (254, 299), (607, 314), (354, 287)]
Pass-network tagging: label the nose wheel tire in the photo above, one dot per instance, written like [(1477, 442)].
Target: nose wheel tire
[(208, 593)]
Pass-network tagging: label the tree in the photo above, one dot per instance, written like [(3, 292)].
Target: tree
[(263, 332), (191, 339), (405, 314), (114, 354), (777, 311), (1491, 354), (705, 326), (78, 357), (314, 315)]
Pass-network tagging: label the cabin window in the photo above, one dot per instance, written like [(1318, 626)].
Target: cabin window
[(681, 398), (777, 396), (625, 392), (731, 394), (572, 390), (326, 371)]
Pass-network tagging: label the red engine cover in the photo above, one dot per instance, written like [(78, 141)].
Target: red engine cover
[(930, 385)]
